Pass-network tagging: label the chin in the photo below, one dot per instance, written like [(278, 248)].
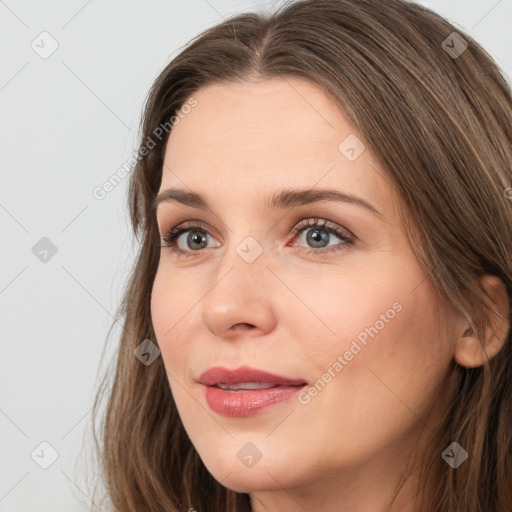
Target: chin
[(249, 480), (268, 473)]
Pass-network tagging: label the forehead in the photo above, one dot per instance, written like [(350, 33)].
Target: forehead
[(268, 134)]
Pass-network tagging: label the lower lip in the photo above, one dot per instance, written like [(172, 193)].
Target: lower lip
[(249, 402)]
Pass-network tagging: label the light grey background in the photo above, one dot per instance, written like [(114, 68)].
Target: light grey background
[(67, 123)]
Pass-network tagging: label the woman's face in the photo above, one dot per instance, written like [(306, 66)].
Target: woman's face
[(343, 305)]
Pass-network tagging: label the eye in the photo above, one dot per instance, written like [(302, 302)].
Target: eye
[(196, 238), (317, 233)]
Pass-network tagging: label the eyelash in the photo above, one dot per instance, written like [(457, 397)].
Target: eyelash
[(348, 238)]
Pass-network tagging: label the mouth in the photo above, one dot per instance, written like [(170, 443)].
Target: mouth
[(246, 391), (245, 386)]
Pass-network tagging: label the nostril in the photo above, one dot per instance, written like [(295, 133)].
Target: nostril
[(243, 326)]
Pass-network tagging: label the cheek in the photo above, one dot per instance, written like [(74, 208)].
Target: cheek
[(172, 308), (380, 337), (397, 375), (347, 306), (374, 391)]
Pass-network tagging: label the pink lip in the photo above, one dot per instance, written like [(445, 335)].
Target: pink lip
[(246, 402)]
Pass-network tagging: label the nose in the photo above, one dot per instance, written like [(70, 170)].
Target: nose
[(241, 301)]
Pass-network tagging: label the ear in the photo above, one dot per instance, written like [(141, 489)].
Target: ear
[(469, 351)]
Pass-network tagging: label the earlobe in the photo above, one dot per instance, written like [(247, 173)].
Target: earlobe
[(469, 350)]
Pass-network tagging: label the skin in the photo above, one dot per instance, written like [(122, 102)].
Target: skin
[(294, 313)]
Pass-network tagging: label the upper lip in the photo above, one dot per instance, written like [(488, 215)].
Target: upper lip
[(219, 374)]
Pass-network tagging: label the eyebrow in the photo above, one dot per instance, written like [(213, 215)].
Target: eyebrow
[(281, 199)]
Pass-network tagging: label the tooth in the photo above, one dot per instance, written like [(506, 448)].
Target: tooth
[(246, 385)]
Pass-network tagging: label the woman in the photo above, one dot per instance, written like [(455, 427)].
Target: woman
[(319, 316)]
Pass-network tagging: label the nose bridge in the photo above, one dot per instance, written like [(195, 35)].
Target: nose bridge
[(244, 265), (247, 243), (241, 293)]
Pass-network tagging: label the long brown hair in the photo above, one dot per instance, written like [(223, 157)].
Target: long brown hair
[(438, 115)]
